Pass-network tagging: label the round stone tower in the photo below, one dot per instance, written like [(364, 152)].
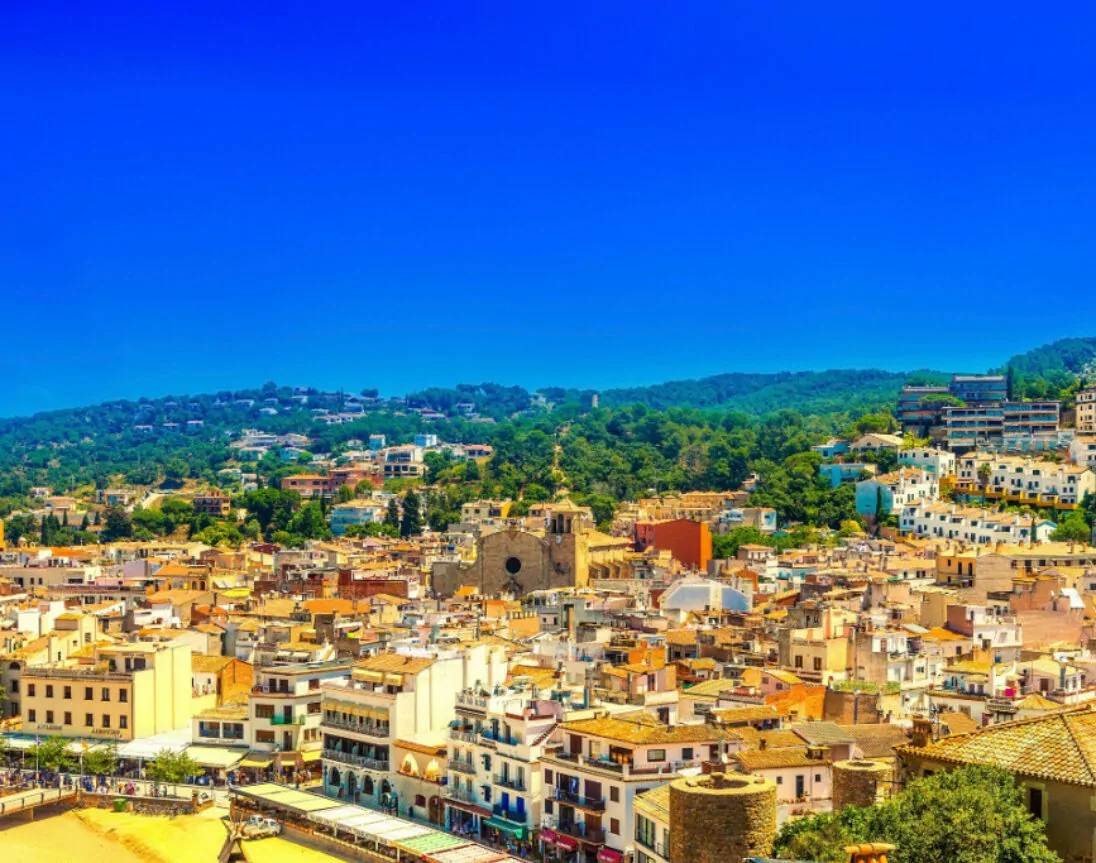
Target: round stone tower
[(860, 783), (721, 818)]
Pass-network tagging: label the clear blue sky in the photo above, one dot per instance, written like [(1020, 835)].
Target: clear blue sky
[(206, 196)]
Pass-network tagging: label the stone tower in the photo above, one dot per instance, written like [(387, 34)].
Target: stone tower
[(721, 818), (860, 783), (568, 555)]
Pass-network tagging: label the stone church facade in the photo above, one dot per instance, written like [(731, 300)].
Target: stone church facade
[(518, 561)]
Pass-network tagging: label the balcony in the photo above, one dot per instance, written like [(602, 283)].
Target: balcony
[(463, 736), (594, 804), (463, 767), (476, 702), (511, 815), (512, 782), (454, 793), (662, 849), (279, 693), (593, 835), (380, 732), (356, 760), (286, 720), (490, 738)]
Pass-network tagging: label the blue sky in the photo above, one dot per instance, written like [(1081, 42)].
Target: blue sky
[(207, 196)]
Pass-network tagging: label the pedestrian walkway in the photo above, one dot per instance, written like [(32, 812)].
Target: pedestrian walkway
[(24, 801)]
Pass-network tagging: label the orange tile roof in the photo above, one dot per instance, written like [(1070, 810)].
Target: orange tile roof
[(1059, 747)]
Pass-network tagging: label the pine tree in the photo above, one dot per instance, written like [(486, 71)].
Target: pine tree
[(85, 523), (392, 517), (412, 515)]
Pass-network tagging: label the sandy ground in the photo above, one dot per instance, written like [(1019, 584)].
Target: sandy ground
[(60, 839), (184, 839), (98, 836)]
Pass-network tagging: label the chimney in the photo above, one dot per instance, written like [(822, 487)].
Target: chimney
[(922, 731)]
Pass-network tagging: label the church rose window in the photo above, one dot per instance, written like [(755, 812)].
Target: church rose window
[(513, 565)]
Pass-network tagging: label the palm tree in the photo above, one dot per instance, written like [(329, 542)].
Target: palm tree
[(985, 472)]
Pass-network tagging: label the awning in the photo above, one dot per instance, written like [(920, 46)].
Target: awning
[(216, 756), (149, 747), (567, 843), (257, 759), (548, 837), (369, 676), (312, 755), (608, 855), (518, 831)]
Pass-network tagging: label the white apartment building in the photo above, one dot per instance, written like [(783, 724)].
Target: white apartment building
[(285, 710), (1020, 480), (1086, 411), (894, 490), (592, 781), (1082, 451), (971, 524), (940, 462), (398, 702), (495, 746)]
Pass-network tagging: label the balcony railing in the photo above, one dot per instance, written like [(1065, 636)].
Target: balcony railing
[(511, 815), (513, 782), (595, 835), (596, 804), (379, 731), (463, 736), (491, 737), (356, 760), (662, 849), (454, 793), (287, 720), (463, 767)]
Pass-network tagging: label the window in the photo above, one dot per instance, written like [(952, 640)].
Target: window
[(656, 755), (123, 722), (779, 780), (264, 736), (1035, 802), (49, 717), (818, 663), (30, 690), (817, 777), (88, 693), (32, 715), (687, 753), (68, 718), (68, 693), (548, 777), (106, 720), (614, 825), (49, 690), (614, 794), (123, 695), (799, 662), (106, 694), (88, 720)]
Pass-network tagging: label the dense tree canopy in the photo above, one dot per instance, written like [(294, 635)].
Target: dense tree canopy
[(969, 815)]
